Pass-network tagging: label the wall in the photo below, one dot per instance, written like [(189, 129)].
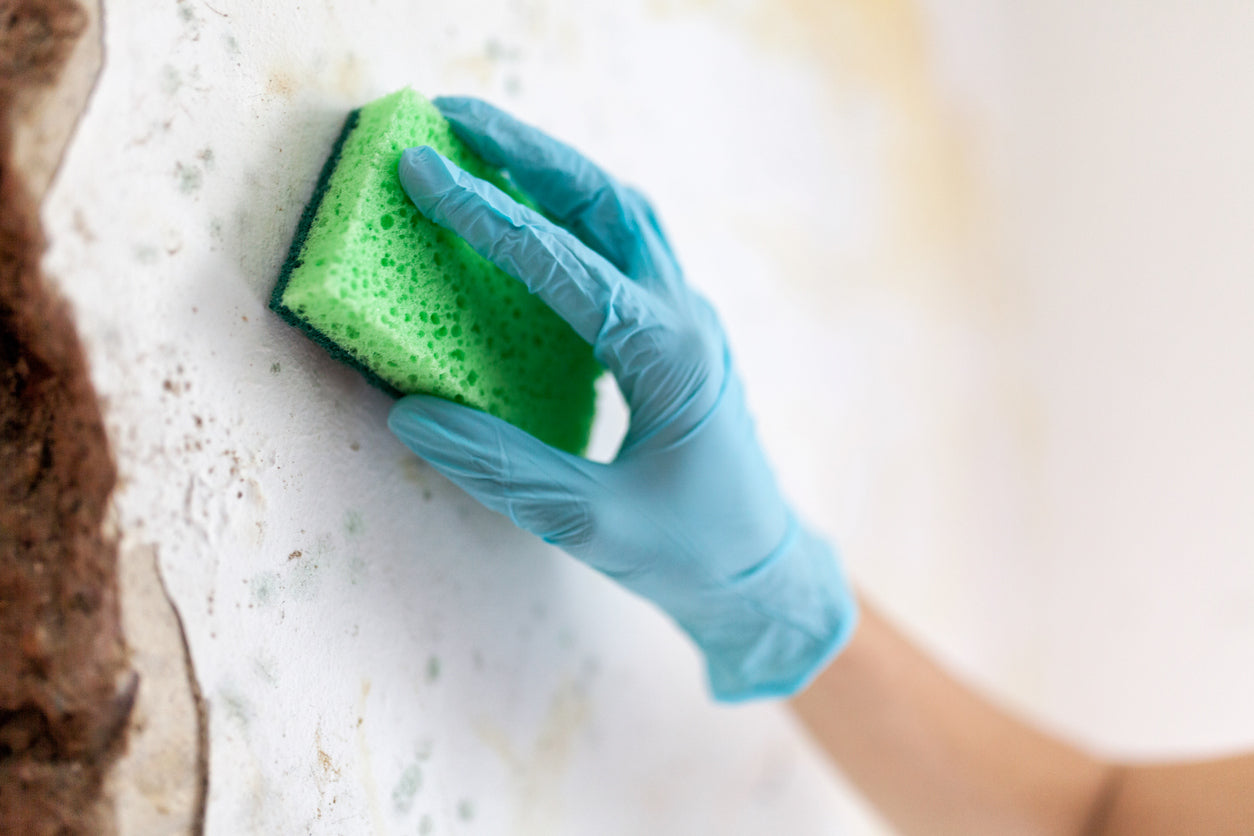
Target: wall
[(931, 254), (1130, 198)]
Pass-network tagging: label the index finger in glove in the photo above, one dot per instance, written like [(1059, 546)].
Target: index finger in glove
[(604, 307), (580, 195)]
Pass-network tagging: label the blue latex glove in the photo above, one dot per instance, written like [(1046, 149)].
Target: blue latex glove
[(689, 514)]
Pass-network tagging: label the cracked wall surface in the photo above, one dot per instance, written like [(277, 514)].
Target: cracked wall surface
[(66, 689), (330, 638)]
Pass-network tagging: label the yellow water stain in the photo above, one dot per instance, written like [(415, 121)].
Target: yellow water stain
[(348, 78), (342, 77), (538, 776), (369, 786), (477, 66), (281, 83), (934, 235)]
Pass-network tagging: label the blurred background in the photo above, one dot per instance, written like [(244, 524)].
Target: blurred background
[(987, 272)]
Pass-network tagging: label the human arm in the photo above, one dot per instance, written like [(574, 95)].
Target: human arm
[(934, 757), (690, 517)]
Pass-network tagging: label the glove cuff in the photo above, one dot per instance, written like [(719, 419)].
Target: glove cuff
[(781, 622)]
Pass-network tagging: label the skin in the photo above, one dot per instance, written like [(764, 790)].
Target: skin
[(936, 758)]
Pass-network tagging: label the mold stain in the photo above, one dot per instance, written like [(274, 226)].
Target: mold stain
[(433, 669), (264, 668), (353, 524), (171, 80), (236, 707), (303, 579), (189, 178), (263, 588), (357, 570), (406, 789)]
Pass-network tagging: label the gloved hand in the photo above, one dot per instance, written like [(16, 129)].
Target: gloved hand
[(688, 515)]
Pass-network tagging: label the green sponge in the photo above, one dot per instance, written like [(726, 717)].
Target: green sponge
[(410, 304)]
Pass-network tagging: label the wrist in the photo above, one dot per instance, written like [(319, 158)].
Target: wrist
[(780, 623)]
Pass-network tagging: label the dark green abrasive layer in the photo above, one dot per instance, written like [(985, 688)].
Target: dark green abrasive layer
[(410, 304)]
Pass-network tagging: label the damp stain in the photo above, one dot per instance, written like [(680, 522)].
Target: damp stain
[(414, 470), (348, 77), (538, 773), (433, 669), (171, 80)]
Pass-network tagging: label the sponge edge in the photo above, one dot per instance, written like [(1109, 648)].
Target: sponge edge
[(412, 306)]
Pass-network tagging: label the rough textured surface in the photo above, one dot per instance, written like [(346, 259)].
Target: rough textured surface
[(481, 683), (65, 692), (412, 305)]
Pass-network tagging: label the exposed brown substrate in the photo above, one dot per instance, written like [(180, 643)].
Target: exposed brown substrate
[(65, 689)]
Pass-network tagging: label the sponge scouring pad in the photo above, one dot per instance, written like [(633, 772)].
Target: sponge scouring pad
[(410, 304)]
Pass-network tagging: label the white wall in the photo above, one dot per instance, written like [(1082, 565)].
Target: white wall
[(1132, 199), (949, 243)]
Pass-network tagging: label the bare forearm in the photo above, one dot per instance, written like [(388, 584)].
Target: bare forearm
[(934, 757), (1214, 797)]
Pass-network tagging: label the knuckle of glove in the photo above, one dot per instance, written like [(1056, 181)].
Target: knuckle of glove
[(571, 524), (692, 346)]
